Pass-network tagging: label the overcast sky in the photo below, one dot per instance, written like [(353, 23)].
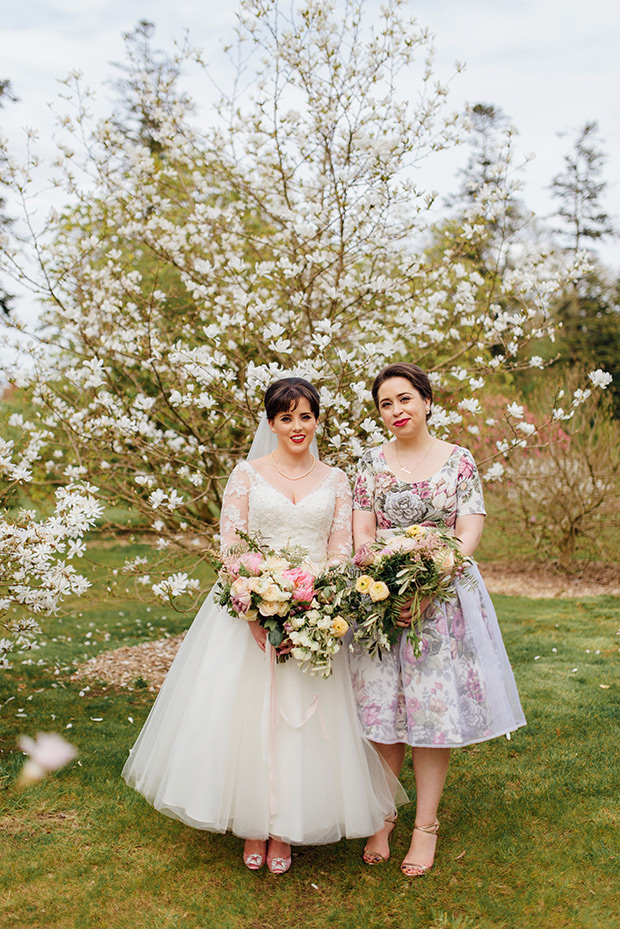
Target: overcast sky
[(550, 65)]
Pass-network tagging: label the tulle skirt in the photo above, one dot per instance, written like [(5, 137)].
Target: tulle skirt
[(460, 690), (236, 741)]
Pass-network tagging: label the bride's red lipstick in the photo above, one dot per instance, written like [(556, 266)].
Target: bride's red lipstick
[(401, 422)]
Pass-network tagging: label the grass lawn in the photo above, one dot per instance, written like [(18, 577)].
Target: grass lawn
[(530, 826)]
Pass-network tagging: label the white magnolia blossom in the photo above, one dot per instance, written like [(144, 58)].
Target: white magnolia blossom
[(495, 472), (600, 378), (175, 585), (580, 396), (48, 752), (35, 555)]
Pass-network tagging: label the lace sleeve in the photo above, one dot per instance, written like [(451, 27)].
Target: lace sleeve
[(234, 515), (340, 540)]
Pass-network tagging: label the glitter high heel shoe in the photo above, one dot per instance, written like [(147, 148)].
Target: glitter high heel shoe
[(253, 860)]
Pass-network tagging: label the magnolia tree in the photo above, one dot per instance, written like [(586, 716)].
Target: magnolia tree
[(36, 572), (287, 237)]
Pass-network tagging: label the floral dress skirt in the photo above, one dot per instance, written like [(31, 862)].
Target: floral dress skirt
[(460, 690)]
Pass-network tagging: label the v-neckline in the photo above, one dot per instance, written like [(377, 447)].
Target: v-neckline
[(292, 502)]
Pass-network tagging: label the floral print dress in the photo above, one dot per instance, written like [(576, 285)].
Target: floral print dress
[(461, 689)]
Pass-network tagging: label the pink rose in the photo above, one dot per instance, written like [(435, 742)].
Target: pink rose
[(303, 581), (303, 594), (363, 556), (241, 595)]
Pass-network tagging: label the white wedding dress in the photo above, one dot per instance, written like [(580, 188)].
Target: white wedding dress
[(236, 741)]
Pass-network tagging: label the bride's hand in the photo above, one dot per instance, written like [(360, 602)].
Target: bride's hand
[(406, 618), (259, 633), (286, 647)]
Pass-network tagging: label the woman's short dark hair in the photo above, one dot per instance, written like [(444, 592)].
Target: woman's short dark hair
[(416, 377), (283, 396)]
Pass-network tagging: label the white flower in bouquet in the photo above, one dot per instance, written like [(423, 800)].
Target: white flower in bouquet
[(260, 584), (402, 543), (444, 561), (274, 593), (273, 608), (276, 563)]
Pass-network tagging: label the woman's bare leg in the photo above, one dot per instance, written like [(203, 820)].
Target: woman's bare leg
[(430, 767), (393, 755)]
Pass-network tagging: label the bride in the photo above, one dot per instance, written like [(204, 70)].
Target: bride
[(234, 740)]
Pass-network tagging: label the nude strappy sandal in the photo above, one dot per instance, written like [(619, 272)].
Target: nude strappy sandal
[(374, 857), (410, 869)]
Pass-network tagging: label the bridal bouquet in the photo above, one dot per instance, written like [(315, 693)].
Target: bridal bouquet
[(291, 598), (417, 562)]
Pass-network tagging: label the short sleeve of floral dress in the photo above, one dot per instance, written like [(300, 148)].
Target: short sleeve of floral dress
[(461, 689)]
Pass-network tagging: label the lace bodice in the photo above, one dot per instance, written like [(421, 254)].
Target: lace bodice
[(320, 522)]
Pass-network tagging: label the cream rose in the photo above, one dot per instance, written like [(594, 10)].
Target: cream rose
[(444, 561)]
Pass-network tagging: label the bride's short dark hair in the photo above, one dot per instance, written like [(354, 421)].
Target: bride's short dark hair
[(416, 377), (283, 396)]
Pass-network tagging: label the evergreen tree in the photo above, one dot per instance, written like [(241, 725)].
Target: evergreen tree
[(579, 188), (487, 197), (487, 124)]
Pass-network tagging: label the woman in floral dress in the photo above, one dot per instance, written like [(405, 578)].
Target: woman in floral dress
[(461, 689)]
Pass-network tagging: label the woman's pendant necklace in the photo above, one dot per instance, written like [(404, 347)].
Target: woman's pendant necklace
[(417, 465), (288, 478)]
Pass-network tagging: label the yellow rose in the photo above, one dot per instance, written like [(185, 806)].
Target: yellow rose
[(339, 627), (363, 583), (378, 591)]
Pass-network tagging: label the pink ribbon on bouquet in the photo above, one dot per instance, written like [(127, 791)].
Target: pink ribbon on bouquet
[(275, 711)]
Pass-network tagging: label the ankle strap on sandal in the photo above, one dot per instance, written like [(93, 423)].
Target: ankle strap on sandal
[(432, 829)]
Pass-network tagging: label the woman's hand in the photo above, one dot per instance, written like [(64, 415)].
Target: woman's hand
[(406, 617), (286, 647), (259, 633)]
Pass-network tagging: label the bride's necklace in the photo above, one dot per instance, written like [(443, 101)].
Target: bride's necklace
[(417, 465), (287, 476)]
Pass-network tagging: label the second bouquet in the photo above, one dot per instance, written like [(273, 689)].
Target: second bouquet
[(407, 566)]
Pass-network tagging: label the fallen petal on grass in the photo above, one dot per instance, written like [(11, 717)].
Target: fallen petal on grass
[(48, 752)]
